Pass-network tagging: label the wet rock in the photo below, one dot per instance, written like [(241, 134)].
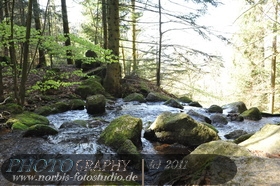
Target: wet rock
[(150, 135), (198, 117), (173, 103), (252, 114), (235, 117), (206, 163), (154, 97), (76, 104), (235, 107), (120, 129), (181, 128), (195, 104), (218, 119), (235, 134), (135, 97), (243, 138), (90, 87), (60, 106), (215, 109), (44, 110), (28, 119), (40, 130), (222, 148), (267, 139), (96, 104), (74, 124), (185, 99), (124, 135)]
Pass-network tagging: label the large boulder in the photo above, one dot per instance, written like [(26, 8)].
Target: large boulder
[(25, 120), (267, 139), (39, 130), (90, 87), (215, 109), (96, 104), (135, 97), (218, 119), (223, 148), (124, 135), (173, 103), (181, 128), (120, 129), (252, 114), (235, 134), (199, 117), (235, 107), (185, 99), (33, 124)]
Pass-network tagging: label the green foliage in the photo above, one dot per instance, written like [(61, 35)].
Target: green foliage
[(54, 79)]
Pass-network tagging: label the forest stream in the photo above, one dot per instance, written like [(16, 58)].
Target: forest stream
[(80, 140)]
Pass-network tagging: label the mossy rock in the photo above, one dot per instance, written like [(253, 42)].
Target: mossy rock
[(30, 119), (155, 96), (129, 151), (173, 103), (243, 138), (185, 99), (19, 126), (252, 114), (223, 148), (60, 107), (40, 130), (96, 104), (120, 129), (235, 107), (76, 104), (181, 128), (135, 97), (215, 109), (195, 104), (90, 87), (44, 110), (13, 108), (74, 124), (210, 126)]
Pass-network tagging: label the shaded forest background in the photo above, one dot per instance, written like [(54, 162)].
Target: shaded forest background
[(35, 36)]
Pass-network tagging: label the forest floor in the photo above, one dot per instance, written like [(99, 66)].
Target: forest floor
[(49, 92)]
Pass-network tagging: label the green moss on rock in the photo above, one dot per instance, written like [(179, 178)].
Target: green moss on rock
[(30, 118), (76, 104), (90, 87), (44, 110), (19, 126), (185, 99), (252, 114), (135, 97), (12, 108), (181, 128), (120, 129), (40, 130)]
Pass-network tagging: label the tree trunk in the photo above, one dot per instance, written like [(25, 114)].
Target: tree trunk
[(66, 31), (36, 12), (273, 60), (113, 73), (12, 49), (134, 58), (26, 53), (159, 47), (104, 24)]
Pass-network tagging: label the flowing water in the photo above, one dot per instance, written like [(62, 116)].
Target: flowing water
[(81, 140), (85, 138)]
